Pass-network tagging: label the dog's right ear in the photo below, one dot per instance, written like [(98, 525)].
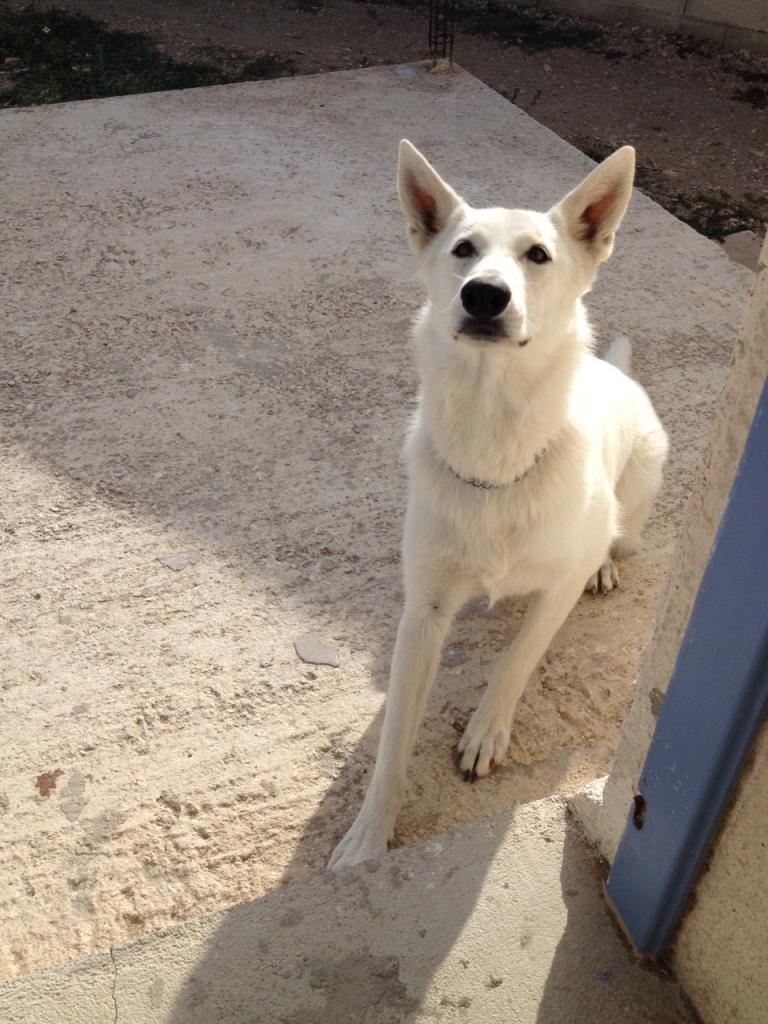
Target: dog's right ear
[(593, 211), (427, 201)]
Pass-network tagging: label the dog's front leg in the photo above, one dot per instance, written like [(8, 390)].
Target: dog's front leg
[(486, 737), (420, 636)]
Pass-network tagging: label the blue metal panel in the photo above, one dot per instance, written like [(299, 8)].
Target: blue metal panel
[(716, 701)]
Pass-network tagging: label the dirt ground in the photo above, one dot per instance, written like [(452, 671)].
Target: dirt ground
[(698, 116)]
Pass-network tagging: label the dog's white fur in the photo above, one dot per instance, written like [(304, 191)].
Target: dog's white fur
[(487, 408)]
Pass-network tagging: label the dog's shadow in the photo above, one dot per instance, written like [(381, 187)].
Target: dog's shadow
[(319, 957), (370, 945)]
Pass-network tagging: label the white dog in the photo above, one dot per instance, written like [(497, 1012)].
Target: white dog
[(531, 462)]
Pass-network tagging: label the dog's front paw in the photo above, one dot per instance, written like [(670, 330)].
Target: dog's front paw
[(365, 839), (484, 743), (605, 579)]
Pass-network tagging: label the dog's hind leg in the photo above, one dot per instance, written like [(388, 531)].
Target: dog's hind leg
[(486, 737), (605, 579), (637, 488), (427, 616)]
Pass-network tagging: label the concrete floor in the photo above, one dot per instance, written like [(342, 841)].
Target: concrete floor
[(498, 921), (209, 295)]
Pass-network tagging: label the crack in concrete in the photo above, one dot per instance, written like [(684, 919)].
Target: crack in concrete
[(114, 983)]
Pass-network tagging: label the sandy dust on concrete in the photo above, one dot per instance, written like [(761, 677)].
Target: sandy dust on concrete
[(209, 295), (523, 936)]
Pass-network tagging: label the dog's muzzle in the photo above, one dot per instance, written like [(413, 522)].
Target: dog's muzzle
[(484, 300), (482, 330)]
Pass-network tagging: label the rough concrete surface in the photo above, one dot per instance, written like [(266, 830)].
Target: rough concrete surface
[(719, 949), (499, 921), (207, 297), (743, 247)]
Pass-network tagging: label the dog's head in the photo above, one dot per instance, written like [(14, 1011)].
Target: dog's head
[(505, 277)]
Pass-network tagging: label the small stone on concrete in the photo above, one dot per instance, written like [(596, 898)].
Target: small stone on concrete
[(314, 651), (743, 247), (453, 656), (181, 560)]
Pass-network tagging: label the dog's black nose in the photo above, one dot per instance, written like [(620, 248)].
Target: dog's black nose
[(485, 298)]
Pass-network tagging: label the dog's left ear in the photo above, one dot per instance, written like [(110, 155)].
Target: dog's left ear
[(427, 201), (593, 211)]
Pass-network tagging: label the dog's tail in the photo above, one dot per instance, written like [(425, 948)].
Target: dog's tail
[(619, 354)]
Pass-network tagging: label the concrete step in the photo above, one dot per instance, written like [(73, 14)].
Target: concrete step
[(238, 258), (502, 920)]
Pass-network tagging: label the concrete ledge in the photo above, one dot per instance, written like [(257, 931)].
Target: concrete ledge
[(211, 295), (501, 920), (709, 491)]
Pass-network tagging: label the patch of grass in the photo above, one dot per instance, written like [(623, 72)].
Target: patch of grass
[(64, 56), (57, 56), (268, 65), (686, 46), (411, 5), (717, 214), (226, 58), (532, 30), (595, 149), (735, 65), (513, 98), (714, 213), (755, 95)]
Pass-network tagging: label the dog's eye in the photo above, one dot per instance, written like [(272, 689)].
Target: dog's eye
[(464, 250), (538, 254)]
